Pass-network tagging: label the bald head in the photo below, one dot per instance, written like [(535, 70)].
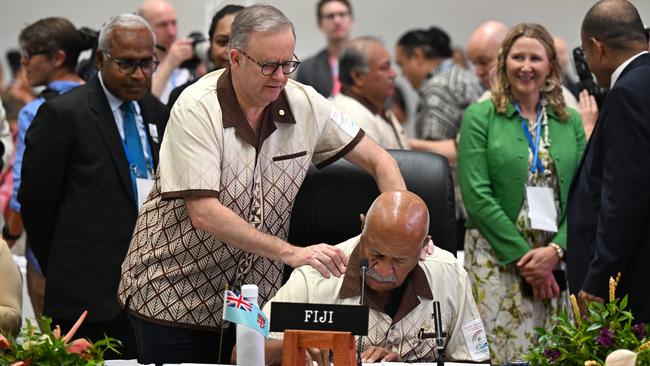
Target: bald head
[(483, 47), (617, 24), (394, 233), (160, 14), (399, 214)]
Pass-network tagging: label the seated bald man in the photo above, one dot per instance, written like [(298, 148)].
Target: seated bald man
[(400, 289)]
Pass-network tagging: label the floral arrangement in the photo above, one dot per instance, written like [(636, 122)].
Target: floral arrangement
[(606, 335), (38, 344)]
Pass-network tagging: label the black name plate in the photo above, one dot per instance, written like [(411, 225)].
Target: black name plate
[(327, 317)]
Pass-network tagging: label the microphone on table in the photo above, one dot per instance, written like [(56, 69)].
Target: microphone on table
[(440, 336), (363, 266)]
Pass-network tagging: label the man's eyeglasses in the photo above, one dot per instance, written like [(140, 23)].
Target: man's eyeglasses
[(269, 68), (128, 67), (332, 16), (27, 55)]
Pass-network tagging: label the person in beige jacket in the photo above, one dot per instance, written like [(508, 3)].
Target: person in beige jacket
[(10, 292)]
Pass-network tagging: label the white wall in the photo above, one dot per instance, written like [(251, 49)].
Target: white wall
[(385, 18)]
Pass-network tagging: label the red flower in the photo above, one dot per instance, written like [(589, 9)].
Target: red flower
[(79, 346), (4, 342), (21, 363)]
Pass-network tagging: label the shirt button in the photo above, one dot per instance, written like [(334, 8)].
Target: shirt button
[(281, 112)]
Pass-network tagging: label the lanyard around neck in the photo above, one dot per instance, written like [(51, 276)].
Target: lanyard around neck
[(534, 147)]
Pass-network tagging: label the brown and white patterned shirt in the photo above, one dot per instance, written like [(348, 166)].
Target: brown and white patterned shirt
[(439, 277), (174, 273)]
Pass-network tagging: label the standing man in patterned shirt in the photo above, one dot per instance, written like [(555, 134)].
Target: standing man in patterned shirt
[(237, 148)]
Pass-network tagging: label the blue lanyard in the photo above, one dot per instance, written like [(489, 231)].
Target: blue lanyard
[(534, 147)]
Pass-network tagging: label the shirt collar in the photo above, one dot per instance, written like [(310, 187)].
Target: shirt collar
[(445, 65), (512, 111), (415, 285), (63, 86), (232, 115), (113, 101), (348, 92), (617, 73)]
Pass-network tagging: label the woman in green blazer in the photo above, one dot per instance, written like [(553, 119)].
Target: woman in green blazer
[(523, 140)]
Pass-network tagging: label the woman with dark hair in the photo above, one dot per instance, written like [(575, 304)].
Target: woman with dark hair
[(517, 155), (445, 89), (219, 34)]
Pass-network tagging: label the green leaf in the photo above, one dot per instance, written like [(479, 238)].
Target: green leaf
[(594, 326)]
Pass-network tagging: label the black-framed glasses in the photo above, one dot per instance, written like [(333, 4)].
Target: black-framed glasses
[(128, 66), (27, 55), (269, 68)]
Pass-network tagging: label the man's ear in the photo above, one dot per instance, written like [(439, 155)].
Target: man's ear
[(58, 58), (356, 77), (362, 217), (600, 51), (235, 57), (426, 241), (99, 60)]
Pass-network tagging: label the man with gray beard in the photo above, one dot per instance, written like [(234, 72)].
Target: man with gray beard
[(400, 289)]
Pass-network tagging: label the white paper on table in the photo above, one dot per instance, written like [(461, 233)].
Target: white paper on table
[(144, 186), (124, 363), (541, 208)]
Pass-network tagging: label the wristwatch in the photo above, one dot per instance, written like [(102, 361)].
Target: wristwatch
[(6, 235), (558, 250)]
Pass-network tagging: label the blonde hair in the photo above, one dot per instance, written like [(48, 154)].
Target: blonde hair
[(552, 88)]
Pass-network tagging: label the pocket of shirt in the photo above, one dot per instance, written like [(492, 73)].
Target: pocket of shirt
[(289, 156)]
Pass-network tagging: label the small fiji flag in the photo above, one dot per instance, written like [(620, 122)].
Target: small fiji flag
[(239, 310)]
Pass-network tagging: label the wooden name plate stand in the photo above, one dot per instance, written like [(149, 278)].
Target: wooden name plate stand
[(296, 343)]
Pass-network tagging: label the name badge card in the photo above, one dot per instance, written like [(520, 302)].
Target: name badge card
[(541, 208), (326, 317)]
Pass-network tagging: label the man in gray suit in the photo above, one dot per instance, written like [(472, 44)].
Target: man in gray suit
[(321, 71)]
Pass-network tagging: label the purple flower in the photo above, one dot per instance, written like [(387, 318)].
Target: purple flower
[(639, 330), (605, 338), (552, 354)]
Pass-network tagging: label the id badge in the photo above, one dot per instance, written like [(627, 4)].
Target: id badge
[(541, 208), (144, 187)]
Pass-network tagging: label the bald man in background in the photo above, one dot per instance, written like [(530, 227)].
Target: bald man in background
[(161, 16), (482, 49)]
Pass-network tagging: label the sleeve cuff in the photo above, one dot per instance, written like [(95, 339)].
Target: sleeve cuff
[(189, 193), (343, 151)]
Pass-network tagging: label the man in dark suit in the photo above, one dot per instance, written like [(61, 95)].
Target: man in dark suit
[(89, 157), (609, 202), (321, 70)]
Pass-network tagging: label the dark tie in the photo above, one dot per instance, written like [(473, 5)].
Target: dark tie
[(134, 151)]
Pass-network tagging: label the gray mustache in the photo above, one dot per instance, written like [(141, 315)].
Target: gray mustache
[(377, 277)]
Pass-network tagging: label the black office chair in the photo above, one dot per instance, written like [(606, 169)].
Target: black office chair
[(330, 200)]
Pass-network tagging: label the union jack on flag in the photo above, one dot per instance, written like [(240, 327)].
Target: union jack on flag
[(240, 310), (238, 301)]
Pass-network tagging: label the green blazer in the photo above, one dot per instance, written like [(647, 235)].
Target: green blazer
[(493, 168)]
